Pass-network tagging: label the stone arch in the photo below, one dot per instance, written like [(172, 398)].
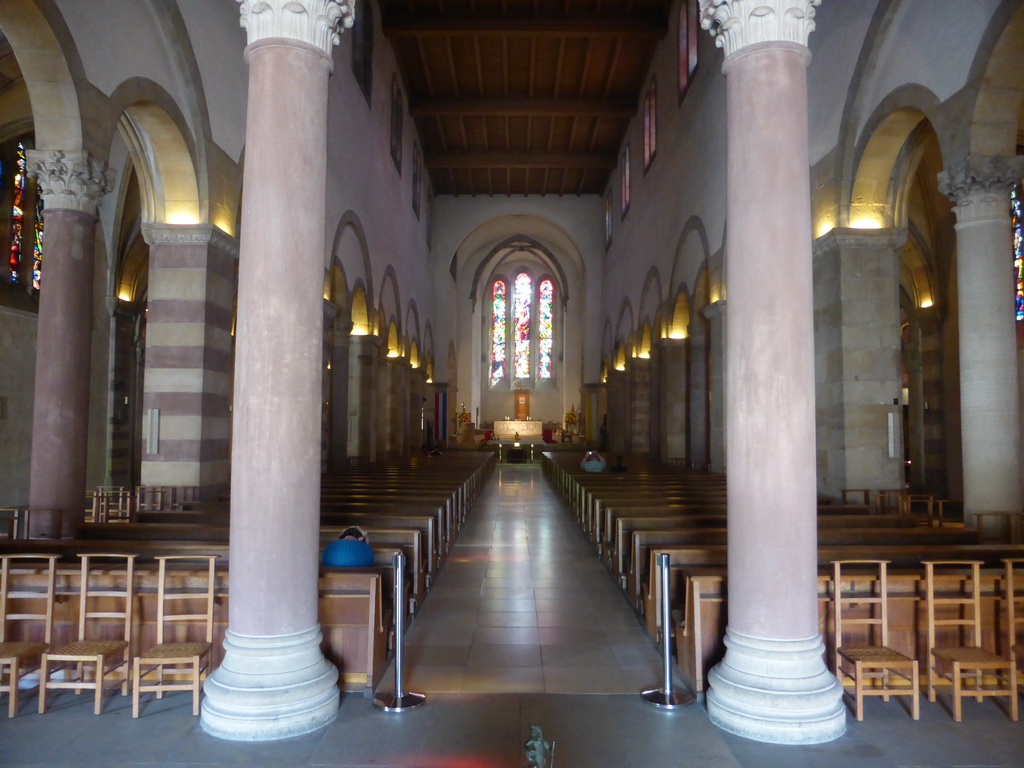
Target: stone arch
[(163, 153), (872, 199), (349, 249), (625, 326), (693, 251), (389, 302), (999, 72), (412, 333), (510, 246), (678, 319), (651, 297), (51, 69), (361, 311)]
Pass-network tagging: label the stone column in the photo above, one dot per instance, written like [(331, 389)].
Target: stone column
[(364, 400), (718, 363), (618, 412), (674, 400), (857, 351), (71, 184), (274, 681), (915, 428), (773, 684), (337, 457), (697, 393), (417, 410), (989, 406), (639, 406), (187, 382), (396, 406)]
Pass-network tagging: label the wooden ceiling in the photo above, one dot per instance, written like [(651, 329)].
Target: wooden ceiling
[(523, 97)]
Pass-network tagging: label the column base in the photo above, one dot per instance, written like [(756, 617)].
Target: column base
[(270, 688), (776, 691)]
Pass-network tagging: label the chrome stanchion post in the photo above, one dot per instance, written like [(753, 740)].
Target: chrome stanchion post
[(665, 697), (400, 700)]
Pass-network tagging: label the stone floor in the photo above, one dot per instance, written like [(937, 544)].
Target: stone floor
[(523, 627)]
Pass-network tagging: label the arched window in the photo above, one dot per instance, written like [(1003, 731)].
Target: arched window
[(545, 327), (499, 307), (687, 43), (24, 231), (625, 180), (650, 123), (1017, 222), (521, 308), (520, 331)]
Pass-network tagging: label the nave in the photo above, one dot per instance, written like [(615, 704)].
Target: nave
[(522, 627)]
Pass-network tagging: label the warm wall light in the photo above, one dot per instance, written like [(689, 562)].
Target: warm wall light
[(866, 222), (124, 295), (644, 355), (926, 303), (620, 367), (393, 353), (359, 330), (677, 335), (824, 227), (182, 217)]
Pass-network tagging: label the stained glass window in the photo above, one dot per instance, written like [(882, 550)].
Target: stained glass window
[(625, 179), (17, 214), (688, 26), (650, 123), (545, 328), (37, 246), (498, 309), (1017, 222), (521, 300)]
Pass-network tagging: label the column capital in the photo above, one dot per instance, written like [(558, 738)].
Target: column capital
[(190, 234), (70, 180), (736, 24), (860, 239), (715, 310), (315, 22), (979, 185)]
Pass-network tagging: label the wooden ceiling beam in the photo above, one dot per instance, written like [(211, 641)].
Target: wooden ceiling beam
[(524, 107), (579, 160), (635, 27)]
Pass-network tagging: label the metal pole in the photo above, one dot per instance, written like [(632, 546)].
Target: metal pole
[(665, 697), (400, 700)]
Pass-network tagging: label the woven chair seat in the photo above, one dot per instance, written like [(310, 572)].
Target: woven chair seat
[(174, 651), (89, 648), (874, 654), (971, 655), (20, 649)]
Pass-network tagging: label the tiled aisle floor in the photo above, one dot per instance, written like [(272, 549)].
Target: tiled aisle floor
[(522, 607)]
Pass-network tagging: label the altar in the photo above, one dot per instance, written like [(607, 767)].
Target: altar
[(526, 430)]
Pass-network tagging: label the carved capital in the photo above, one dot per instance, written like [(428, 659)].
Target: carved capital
[(735, 24), (979, 186), (847, 238), (316, 22), (69, 180), (190, 234)]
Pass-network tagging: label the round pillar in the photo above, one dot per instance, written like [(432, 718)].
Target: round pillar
[(274, 681), (772, 685)]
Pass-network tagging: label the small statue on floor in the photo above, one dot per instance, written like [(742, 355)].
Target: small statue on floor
[(540, 753)]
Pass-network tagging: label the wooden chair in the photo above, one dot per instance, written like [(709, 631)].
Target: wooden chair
[(1014, 596), (31, 604), (173, 654), (964, 663), (874, 664), (112, 504), (104, 631)]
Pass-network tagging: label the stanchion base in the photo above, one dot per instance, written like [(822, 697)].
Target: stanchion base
[(663, 699), (392, 702)]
